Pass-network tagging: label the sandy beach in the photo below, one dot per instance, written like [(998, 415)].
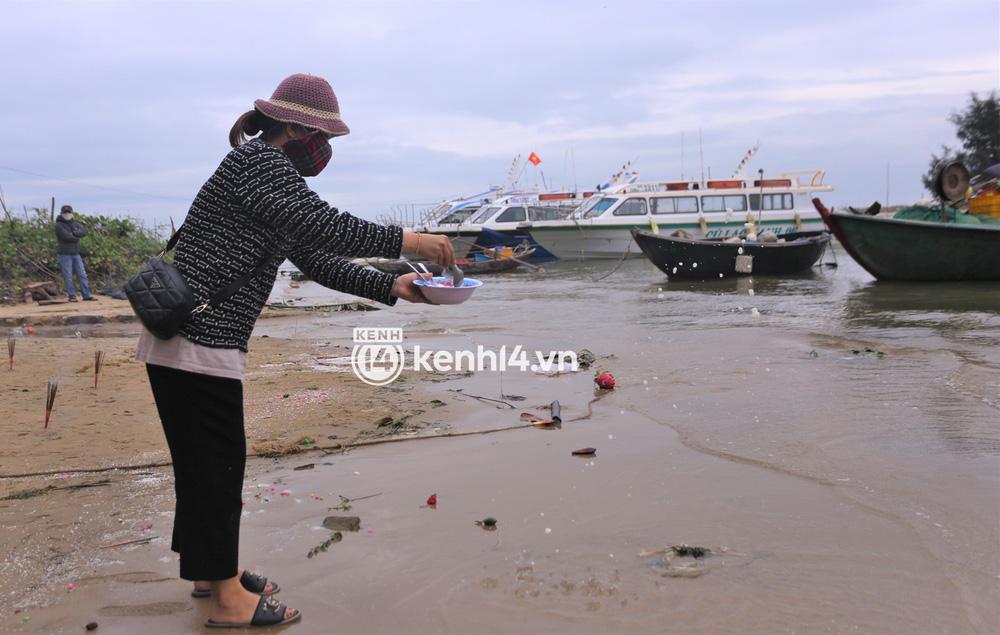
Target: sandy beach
[(300, 399), (835, 490)]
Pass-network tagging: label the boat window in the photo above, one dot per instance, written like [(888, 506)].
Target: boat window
[(511, 215), (599, 206), (484, 214), (675, 204), (458, 217), (547, 213), (772, 201), (631, 207), (736, 202), (441, 209)]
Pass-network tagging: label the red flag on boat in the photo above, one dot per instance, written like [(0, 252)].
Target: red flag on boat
[(535, 159)]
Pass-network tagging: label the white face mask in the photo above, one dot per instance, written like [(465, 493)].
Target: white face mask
[(67, 216)]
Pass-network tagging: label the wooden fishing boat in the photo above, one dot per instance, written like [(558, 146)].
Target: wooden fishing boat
[(469, 268), (897, 249), (715, 258)]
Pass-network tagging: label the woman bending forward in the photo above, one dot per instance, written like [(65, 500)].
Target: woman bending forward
[(255, 208)]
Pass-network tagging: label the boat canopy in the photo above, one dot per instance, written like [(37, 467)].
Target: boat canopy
[(804, 180)]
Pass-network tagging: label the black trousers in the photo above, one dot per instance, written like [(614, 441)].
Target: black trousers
[(202, 418)]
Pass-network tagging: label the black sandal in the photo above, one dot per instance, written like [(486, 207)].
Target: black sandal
[(268, 613), (257, 583), (251, 582)]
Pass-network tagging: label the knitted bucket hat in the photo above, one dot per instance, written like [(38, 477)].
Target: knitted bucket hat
[(307, 100)]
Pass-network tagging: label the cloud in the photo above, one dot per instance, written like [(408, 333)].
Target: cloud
[(441, 95)]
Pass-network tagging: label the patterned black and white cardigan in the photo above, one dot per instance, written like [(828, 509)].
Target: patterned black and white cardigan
[(256, 204)]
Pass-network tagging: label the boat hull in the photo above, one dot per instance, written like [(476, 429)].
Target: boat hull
[(892, 249), (493, 238), (572, 243), (587, 241), (706, 259)]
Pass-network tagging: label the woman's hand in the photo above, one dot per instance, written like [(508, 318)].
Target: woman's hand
[(404, 289), (433, 247)]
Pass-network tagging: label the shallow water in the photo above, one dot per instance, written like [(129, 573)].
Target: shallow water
[(859, 490)]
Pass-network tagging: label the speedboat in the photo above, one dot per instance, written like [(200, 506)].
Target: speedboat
[(505, 221), (499, 224), (602, 226)]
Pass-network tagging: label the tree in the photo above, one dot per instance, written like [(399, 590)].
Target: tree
[(978, 130)]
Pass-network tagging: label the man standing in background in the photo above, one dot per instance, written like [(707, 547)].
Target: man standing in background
[(68, 233)]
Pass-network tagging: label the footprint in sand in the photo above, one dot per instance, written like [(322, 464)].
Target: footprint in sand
[(144, 610)]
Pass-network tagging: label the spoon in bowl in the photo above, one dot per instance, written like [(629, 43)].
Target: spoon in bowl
[(457, 275), (422, 272)]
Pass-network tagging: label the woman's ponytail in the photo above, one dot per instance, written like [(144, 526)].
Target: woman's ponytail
[(248, 125)]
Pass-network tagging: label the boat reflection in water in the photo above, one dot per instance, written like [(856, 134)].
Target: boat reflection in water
[(888, 305)]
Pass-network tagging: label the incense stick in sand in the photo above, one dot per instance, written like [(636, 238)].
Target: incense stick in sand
[(10, 352), (98, 363), (50, 399)]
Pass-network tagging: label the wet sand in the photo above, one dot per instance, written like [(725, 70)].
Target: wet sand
[(839, 492), (105, 309), (59, 498), (293, 391)]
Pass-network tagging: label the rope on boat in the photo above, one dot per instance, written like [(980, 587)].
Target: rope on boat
[(833, 252), (583, 252), (617, 266)]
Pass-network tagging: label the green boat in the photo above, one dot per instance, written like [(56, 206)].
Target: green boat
[(898, 249)]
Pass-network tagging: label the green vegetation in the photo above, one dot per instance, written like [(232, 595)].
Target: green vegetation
[(113, 250), (978, 129)]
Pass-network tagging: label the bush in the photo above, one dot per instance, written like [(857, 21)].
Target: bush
[(112, 250)]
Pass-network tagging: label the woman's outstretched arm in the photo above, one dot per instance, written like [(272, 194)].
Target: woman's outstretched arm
[(270, 188), (339, 274)]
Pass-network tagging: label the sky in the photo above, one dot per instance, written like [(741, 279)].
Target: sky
[(124, 108)]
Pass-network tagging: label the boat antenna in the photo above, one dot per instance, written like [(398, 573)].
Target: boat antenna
[(572, 154), (760, 199), (565, 169), (524, 166), (682, 155), (701, 158), (512, 175)]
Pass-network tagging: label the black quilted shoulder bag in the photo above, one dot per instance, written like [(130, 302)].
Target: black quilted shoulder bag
[(163, 300)]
